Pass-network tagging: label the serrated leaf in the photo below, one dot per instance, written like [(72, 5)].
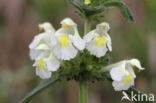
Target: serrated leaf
[(137, 92), (123, 9), (40, 88)]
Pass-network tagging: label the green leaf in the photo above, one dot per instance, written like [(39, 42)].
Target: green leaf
[(76, 4), (139, 94), (123, 9), (40, 88)]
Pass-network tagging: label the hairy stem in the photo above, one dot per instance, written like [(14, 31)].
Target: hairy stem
[(87, 26), (83, 92)]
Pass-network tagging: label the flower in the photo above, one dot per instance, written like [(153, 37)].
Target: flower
[(123, 74), (41, 50), (87, 2), (98, 41), (40, 40), (68, 40), (41, 69), (45, 63)]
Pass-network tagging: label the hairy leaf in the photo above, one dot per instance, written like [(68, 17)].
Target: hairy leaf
[(123, 9)]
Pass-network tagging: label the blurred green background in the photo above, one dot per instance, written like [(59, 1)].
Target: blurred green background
[(19, 21)]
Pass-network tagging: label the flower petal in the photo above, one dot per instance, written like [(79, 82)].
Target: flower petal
[(68, 21), (119, 86), (88, 37), (65, 53), (44, 74), (130, 69), (78, 42), (118, 73), (97, 51), (103, 26), (52, 63), (47, 27), (109, 42), (62, 31), (34, 53), (137, 63), (36, 40), (42, 47)]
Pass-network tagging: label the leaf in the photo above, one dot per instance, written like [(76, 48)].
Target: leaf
[(40, 88), (76, 4), (137, 92), (123, 9)]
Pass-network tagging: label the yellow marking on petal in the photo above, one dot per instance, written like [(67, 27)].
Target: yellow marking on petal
[(41, 42), (128, 78), (87, 2), (100, 41), (40, 64), (133, 66), (65, 26), (105, 27), (64, 41), (41, 29)]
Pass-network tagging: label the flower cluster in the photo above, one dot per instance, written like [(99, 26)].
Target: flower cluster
[(51, 47)]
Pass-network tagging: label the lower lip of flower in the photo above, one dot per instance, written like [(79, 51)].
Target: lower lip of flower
[(64, 41), (41, 65), (100, 41)]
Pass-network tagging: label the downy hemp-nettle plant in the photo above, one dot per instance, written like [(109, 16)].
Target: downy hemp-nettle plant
[(65, 54)]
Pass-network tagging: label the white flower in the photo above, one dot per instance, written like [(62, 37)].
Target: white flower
[(41, 50), (42, 38), (98, 42), (46, 63), (68, 40), (41, 69), (123, 74)]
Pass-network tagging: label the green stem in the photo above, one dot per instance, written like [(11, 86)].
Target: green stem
[(83, 92), (87, 26)]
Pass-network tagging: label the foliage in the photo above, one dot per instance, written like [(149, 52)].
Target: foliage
[(84, 67), (40, 88), (99, 6)]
